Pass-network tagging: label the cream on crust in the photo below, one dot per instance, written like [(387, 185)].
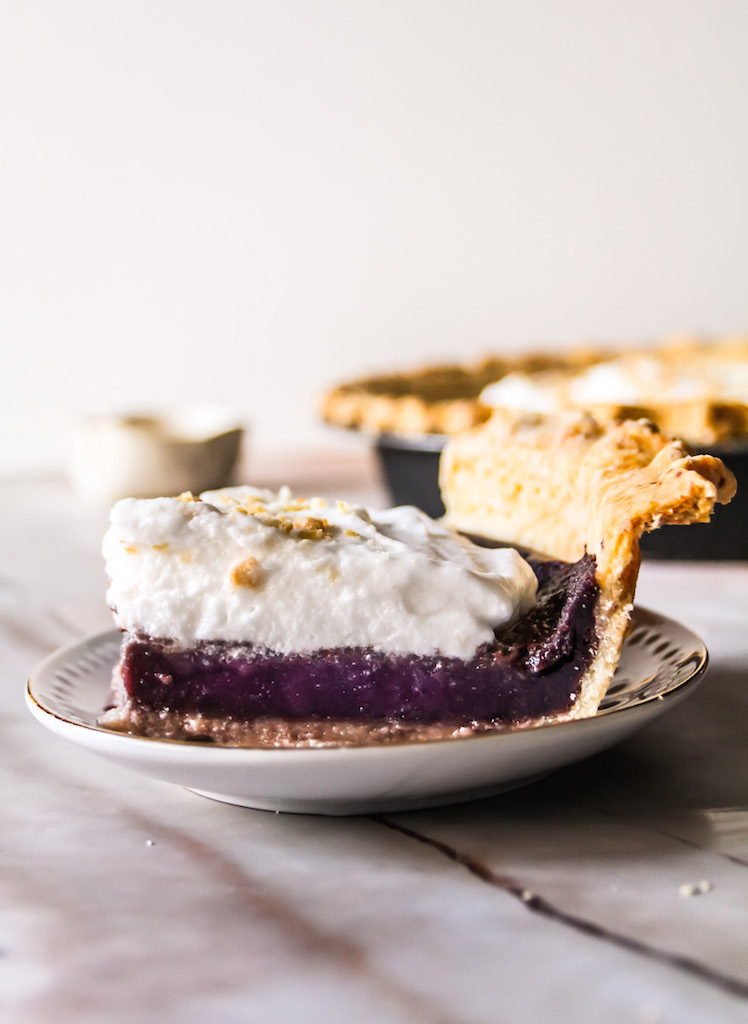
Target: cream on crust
[(691, 388), (569, 485)]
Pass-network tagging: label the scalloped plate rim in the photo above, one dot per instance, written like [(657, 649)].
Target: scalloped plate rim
[(183, 760)]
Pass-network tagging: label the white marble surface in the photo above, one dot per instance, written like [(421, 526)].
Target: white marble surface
[(127, 900)]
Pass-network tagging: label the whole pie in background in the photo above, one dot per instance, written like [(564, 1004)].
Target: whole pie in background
[(694, 389)]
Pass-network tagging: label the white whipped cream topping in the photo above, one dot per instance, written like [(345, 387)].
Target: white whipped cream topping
[(521, 392), (635, 380), (638, 379), (290, 574)]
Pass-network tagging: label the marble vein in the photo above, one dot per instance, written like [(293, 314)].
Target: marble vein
[(539, 905)]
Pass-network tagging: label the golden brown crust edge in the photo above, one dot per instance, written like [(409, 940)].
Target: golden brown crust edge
[(569, 485), (435, 399), (445, 398)]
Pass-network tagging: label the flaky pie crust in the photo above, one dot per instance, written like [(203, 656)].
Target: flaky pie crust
[(569, 484)]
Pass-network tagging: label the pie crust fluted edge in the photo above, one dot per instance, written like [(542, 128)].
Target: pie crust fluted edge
[(570, 485)]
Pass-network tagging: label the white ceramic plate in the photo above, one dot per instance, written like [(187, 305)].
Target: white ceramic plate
[(660, 664)]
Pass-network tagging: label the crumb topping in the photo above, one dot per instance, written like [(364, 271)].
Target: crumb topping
[(247, 573), (314, 529)]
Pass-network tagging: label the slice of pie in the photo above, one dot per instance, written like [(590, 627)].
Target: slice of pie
[(260, 619), (573, 488)]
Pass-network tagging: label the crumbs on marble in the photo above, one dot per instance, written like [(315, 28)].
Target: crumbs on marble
[(695, 888)]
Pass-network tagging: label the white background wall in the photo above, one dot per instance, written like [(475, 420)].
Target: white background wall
[(247, 200)]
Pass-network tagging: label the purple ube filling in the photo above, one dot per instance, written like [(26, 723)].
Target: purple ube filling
[(533, 669)]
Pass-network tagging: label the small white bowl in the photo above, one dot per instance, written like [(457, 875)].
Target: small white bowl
[(144, 456)]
